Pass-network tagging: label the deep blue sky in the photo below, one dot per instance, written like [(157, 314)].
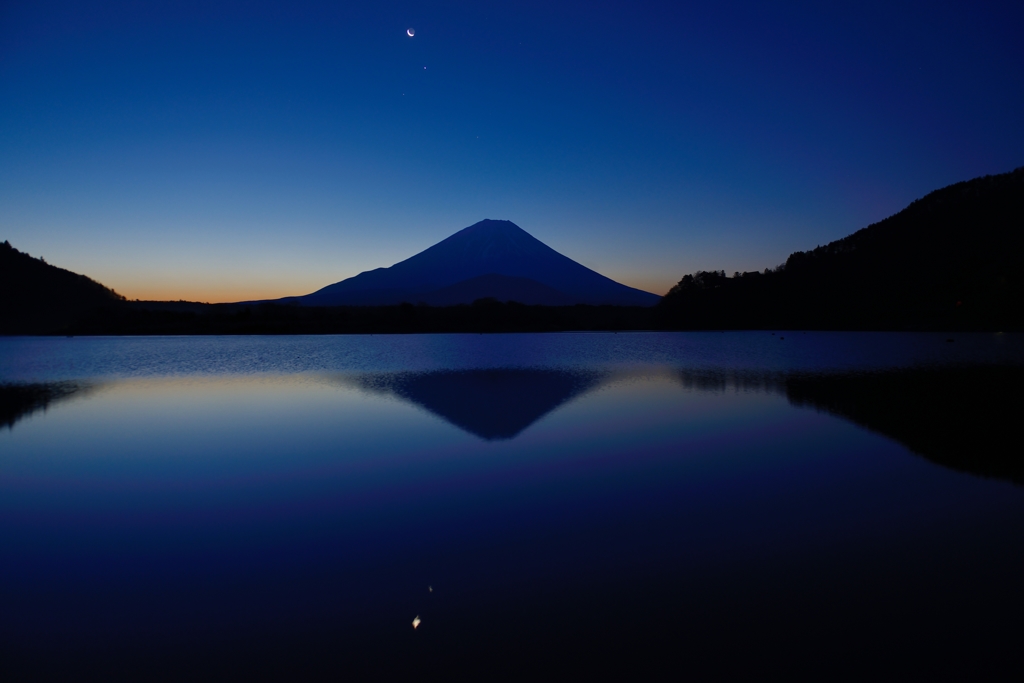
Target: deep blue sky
[(224, 151)]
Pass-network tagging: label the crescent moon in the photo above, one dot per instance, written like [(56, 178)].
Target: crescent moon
[(411, 32)]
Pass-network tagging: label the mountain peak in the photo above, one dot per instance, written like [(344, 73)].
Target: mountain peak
[(493, 227), (486, 248), (491, 224)]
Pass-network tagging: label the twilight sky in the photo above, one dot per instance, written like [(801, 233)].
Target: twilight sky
[(223, 151)]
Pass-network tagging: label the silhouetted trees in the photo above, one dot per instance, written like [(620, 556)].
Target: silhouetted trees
[(485, 315), (37, 298), (951, 260)]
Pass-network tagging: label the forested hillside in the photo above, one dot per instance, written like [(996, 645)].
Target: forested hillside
[(951, 260), (37, 298)]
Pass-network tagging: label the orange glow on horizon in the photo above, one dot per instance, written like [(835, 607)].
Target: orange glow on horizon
[(230, 293), (219, 297), (211, 294)]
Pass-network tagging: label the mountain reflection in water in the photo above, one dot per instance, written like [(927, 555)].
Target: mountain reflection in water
[(18, 401), (961, 417), (964, 418), (958, 417), (494, 404), (622, 518)]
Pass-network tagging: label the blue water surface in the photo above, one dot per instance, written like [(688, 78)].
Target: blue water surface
[(562, 503)]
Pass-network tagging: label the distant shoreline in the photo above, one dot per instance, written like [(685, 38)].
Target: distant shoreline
[(483, 316), (137, 318)]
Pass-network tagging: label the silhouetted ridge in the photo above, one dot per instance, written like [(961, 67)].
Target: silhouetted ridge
[(37, 298), (951, 260), (500, 249)]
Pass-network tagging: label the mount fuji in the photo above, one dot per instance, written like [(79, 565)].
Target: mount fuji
[(492, 258)]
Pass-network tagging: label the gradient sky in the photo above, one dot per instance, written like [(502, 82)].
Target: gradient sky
[(223, 151)]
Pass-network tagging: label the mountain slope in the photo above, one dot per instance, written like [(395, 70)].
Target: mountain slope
[(37, 298), (489, 247), (499, 287), (953, 259)]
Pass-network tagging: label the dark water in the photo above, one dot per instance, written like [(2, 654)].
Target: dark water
[(695, 504)]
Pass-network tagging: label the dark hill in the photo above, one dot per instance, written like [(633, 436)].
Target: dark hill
[(37, 298), (951, 260), (519, 267)]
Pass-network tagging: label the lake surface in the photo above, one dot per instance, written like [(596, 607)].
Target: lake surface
[(828, 505)]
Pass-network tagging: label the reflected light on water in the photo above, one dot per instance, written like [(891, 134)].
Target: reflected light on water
[(261, 520)]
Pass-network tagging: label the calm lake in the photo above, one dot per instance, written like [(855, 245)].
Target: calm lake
[(719, 504)]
